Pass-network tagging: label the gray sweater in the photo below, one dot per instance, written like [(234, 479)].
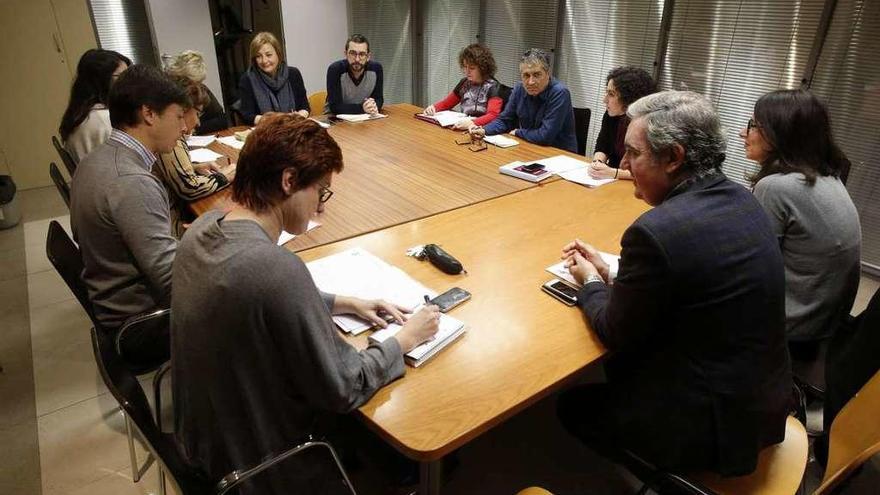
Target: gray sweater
[(819, 233), (255, 356), (119, 216)]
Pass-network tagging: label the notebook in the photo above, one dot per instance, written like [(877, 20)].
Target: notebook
[(501, 141), (561, 272), (446, 118), (356, 272), (450, 330), (359, 117)]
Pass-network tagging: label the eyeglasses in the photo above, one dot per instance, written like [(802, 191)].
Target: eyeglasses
[(324, 194), (752, 124), (354, 54)]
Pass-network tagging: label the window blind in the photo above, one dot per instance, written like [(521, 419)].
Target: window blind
[(123, 26), (597, 36), (387, 24), (733, 52), (450, 25), (847, 78), (510, 27)]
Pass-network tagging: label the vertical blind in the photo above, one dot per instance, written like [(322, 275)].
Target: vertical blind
[(597, 36), (450, 25), (733, 52), (387, 24), (847, 78), (123, 26), (510, 27)]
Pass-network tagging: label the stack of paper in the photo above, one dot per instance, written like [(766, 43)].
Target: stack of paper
[(286, 236), (199, 141), (450, 329), (564, 166), (358, 273), (359, 117), (501, 141), (231, 142), (445, 118), (561, 272), (203, 155)]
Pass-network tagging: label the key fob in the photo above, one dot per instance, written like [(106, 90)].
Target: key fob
[(443, 260)]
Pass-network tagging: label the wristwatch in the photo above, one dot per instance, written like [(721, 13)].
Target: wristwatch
[(593, 278)]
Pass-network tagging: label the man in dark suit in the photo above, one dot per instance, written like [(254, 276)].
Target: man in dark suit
[(700, 377)]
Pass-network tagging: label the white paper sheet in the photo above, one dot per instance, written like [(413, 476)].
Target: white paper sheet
[(232, 142), (202, 155), (286, 236), (199, 141), (582, 176), (501, 141), (359, 117)]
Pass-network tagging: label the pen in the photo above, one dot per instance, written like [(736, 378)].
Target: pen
[(427, 300)]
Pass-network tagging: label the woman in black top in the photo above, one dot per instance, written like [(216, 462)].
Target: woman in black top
[(624, 85), (270, 85)]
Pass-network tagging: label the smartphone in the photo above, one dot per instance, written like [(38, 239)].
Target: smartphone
[(451, 298), (562, 291), (533, 168)]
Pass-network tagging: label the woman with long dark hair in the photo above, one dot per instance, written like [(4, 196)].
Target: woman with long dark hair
[(86, 122), (800, 186)]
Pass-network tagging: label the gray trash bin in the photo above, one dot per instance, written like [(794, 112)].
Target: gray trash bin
[(10, 215)]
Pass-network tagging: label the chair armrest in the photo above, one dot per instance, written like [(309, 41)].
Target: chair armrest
[(235, 478)]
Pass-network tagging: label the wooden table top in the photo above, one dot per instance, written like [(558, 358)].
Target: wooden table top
[(400, 169), (521, 344)]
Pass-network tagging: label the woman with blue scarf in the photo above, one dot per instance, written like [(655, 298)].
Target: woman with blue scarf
[(269, 85)]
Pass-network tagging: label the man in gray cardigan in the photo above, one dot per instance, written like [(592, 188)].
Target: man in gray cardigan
[(119, 210)]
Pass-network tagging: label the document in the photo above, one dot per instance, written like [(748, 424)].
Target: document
[(582, 176), (232, 142), (203, 155), (359, 117), (199, 141), (445, 118), (501, 141), (286, 236), (356, 272), (561, 272)]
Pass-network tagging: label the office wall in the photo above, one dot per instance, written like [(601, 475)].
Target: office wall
[(314, 36), (179, 26)]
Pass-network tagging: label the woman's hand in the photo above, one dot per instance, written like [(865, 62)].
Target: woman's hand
[(589, 254), (420, 327), (372, 310), (600, 170), (206, 168), (464, 124), (430, 110)]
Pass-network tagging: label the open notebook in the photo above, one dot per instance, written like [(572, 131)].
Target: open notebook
[(445, 118)]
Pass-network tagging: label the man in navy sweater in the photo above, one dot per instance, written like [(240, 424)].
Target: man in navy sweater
[(354, 84), (539, 109)]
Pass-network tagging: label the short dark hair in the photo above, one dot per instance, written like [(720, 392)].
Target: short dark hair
[(481, 56), (632, 83), (142, 85), (279, 142), (796, 125), (357, 38), (94, 75)]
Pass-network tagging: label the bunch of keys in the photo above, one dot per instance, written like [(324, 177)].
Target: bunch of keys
[(438, 257)]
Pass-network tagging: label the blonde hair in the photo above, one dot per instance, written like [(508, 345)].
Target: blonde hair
[(189, 64), (263, 38)]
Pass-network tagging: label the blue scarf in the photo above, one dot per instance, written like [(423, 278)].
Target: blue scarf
[(272, 94)]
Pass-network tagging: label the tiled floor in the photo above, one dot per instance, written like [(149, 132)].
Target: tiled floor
[(60, 432)]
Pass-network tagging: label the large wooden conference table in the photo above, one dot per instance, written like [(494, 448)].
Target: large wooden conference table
[(400, 169), (521, 344), (405, 183)]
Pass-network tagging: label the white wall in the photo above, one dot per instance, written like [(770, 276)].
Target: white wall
[(186, 25), (314, 36)]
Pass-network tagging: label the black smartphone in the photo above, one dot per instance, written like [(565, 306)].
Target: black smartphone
[(533, 168), (451, 298), (562, 291)]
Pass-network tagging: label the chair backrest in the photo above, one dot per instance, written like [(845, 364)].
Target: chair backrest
[(855, 435), (127, 391), (504, 92), (317, 100), (67, 260), (60, 184), (235, 113), (581, 128), (66, 157)]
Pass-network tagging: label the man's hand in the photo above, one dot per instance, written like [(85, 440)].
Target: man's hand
[(589, 254), (370, 106), (580, 268)]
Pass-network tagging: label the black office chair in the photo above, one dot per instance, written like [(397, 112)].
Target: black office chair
[(162, 446), (581, 128), (504, 92), (66, 157), (67, 260), (60, 184), (235, 113)]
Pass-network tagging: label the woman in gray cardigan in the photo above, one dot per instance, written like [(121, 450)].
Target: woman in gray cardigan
[(799, 185), (256, 358)]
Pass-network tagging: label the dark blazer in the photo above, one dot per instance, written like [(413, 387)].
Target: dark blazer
[(700, 377)]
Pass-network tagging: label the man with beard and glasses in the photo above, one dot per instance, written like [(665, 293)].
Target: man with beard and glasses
[(354, 84)]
